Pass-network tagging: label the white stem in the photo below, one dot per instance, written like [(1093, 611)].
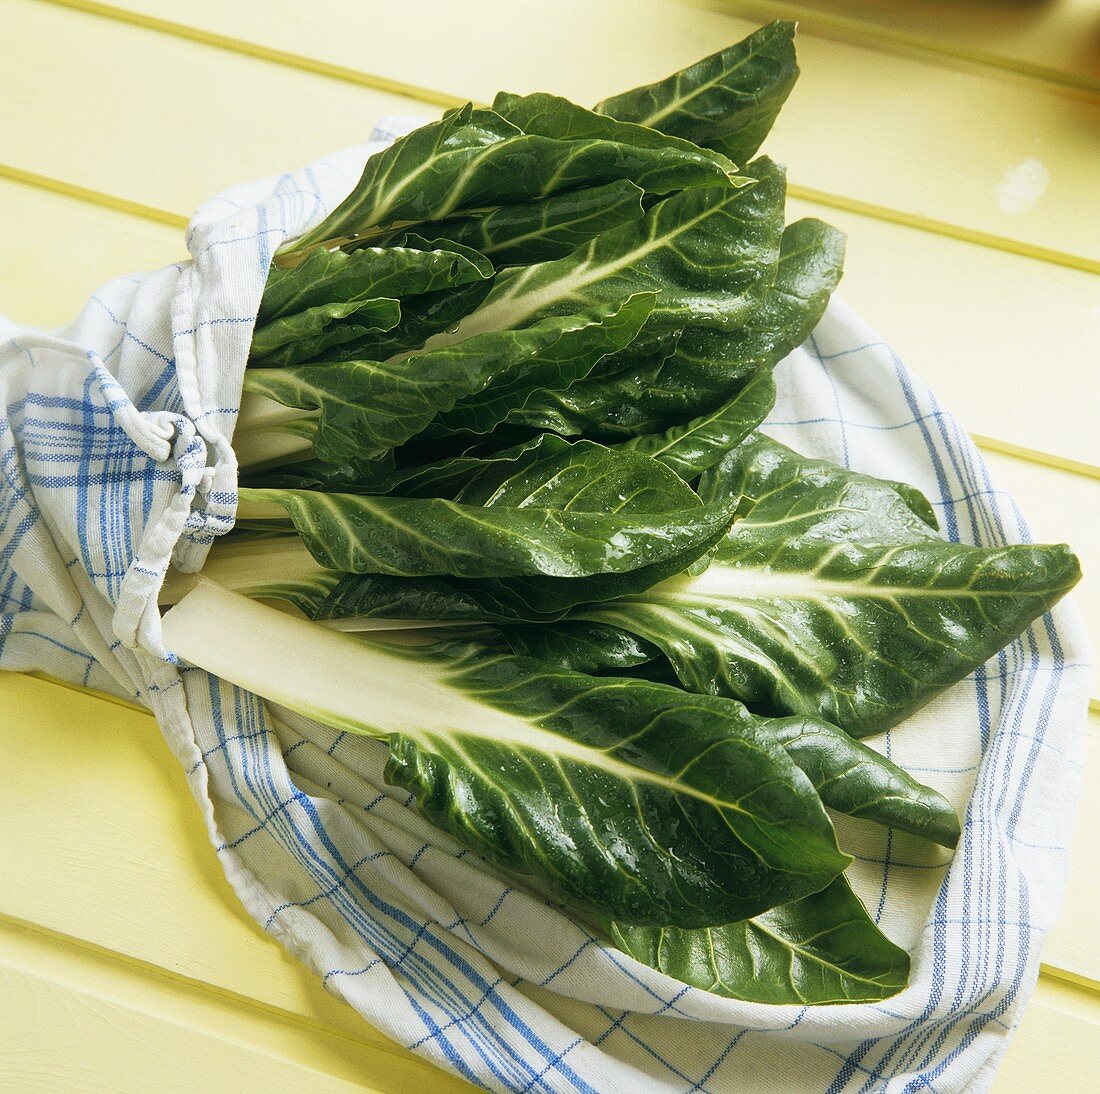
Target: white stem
[(261, 413), (368, 624), (253, 565), (269, 434), (339, 680), (258, 505), (259, 450)]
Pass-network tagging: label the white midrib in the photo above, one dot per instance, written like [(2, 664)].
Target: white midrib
[(336, 679), (724, 582), (515, 306)]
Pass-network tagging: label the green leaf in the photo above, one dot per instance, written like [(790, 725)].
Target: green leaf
[(625, 394), (498, 600), (823, 948), (369, 407), (473, 159), (833, 598), (513, 388), (328, 277), (586, 512), (691, 448), (621, 798), (440, 478), (727, 101), (306, 334), (549, 475), (854, 779), (552, 116), (582, 476), (537, 231), (580, 646), (849, 777)]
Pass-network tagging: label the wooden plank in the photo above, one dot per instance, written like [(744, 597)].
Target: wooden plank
[(79, 1018), (1051, 40), (106, 844), (1060, 507), (58, 250), (978, 326), (1071, 946), (173, 122), (953, 340), (1057, 1047), (988, 154)]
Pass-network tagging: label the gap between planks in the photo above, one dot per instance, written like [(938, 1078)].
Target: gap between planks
[(430, 96), (91, 197)]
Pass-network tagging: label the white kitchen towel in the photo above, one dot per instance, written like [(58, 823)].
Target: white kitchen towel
[(116, 458)]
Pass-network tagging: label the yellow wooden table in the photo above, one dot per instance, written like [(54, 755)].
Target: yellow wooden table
[(956, 144)]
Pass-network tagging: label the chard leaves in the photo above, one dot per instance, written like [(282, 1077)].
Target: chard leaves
[(415, 537), (324, 277), (854, 779), (709, 253), (691, 448), (553, 116), (369, 407), (685, 383), (308, 333), (580, 647), (823, 948)]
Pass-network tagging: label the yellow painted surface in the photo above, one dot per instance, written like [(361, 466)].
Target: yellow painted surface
[(125, 961)]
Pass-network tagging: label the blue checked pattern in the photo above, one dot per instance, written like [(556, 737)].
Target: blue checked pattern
[(116, 456)]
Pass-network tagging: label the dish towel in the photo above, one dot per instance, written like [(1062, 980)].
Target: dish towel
[(115, 442)]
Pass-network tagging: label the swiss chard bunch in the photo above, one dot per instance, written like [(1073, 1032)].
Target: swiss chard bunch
[(509, 391)]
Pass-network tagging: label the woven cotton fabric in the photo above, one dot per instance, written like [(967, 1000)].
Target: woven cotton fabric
[(115, 445)]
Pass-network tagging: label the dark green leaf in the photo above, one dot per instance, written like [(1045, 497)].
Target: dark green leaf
[(833, 598), (441, 478), (823, 948), (854, 779), (703, 369), (621, 798), (328, 277), (661, 381), (552, 116), (591, 511), (727, 101), (581, 475), (421, 318), (691, 448), (580, 646), (498, 600), (710, 254), (303, 335)]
